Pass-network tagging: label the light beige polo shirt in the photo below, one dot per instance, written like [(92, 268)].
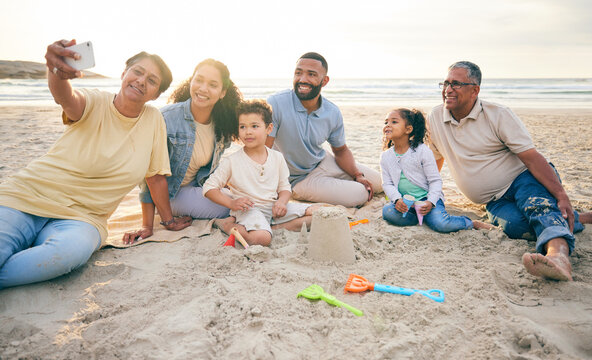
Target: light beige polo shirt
[(481, 148)]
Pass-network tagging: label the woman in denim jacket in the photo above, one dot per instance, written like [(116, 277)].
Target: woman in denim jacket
[(200, 123)]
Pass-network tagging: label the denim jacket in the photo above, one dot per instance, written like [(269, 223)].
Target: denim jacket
[(180, 140)]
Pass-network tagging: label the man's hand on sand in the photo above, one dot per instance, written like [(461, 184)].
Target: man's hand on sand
[(567, 212), (362, 180)]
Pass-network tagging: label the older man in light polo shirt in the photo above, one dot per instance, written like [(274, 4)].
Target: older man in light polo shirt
[(493, 161), (302, 121)]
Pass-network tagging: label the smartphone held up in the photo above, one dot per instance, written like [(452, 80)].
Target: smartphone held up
[(87, 57)]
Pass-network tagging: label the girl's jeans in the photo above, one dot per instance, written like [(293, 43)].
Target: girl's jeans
[(437, 219)]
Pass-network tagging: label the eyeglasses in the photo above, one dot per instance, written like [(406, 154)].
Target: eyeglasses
[(455, 84)]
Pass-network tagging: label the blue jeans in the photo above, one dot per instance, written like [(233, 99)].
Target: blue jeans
[(528, 211), (437, 219), (34, 248)]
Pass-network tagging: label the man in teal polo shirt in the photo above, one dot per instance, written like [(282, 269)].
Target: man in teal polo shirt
[(302, 121)]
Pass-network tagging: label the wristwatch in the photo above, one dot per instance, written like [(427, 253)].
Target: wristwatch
[(167, 223)]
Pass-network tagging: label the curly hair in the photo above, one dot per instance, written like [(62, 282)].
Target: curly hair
[(224, 113), (256, 106), (414, 118)]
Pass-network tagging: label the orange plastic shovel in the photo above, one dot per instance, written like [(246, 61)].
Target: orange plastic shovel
[(357, 283), (354, 223)]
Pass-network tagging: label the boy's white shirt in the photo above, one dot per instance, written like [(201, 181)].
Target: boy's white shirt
[(261, 183)]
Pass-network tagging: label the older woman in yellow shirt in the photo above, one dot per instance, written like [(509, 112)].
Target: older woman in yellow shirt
[(53, 213)]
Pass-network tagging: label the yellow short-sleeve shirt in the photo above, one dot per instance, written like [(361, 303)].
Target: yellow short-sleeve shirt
[(92, 166)]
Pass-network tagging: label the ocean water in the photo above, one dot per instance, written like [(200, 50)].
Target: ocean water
[(424, 93)]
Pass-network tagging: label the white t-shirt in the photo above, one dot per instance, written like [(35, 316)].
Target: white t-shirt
[(246, 178)]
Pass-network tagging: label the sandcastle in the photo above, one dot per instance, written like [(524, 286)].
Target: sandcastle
[(330, 238)]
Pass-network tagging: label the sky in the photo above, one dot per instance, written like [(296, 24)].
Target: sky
[(359, 39)]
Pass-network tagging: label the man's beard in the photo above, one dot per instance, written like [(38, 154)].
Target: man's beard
[(314, 91)]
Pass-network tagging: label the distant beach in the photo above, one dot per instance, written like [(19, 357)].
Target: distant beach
[(195, 299), (16, 70), (424, 93)]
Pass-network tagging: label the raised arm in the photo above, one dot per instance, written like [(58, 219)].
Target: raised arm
[(58, 79), (544, 173)]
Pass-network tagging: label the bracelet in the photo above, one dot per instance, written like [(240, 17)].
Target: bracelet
[(359, 173), (167, 223)]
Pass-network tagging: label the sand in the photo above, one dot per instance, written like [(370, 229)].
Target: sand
[(195, 299)]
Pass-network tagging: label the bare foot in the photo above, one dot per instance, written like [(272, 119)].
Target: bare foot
[(586, 218), (556, 267), (225, 224), (311, 209), (478, 225)]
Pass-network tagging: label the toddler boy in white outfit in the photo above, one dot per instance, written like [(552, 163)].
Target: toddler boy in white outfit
[(257, 177)]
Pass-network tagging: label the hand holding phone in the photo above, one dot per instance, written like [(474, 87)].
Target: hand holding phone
[(87, 57)]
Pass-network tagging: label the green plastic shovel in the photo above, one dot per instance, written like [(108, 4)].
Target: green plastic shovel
[(315, 292)]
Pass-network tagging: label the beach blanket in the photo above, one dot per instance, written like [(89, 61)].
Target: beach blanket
[(128, 217)]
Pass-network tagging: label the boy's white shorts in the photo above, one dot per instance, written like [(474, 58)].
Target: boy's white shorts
[(260, 218)]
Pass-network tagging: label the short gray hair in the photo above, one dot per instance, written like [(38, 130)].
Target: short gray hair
[(473, 71)]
